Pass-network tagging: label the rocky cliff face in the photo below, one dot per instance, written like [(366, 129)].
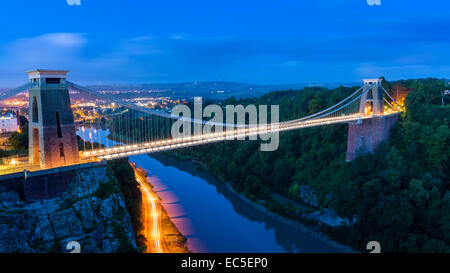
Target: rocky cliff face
[(91, 212)]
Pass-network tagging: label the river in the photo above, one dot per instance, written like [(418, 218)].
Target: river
[(214, 218)]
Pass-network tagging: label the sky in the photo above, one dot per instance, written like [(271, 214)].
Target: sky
[(252, 41)]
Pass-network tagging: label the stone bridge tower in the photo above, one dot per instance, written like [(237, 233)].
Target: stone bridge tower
[(372, 98), (52, 137), (364, 136)]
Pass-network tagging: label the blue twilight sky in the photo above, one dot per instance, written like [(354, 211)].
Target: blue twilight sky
[(255, 41)]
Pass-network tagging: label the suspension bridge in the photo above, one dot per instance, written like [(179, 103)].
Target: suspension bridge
[(134, 129)]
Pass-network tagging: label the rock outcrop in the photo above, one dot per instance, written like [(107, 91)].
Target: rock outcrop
[(91, 212)]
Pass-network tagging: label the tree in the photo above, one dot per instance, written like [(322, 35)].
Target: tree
[(293, 190), (18, 140)]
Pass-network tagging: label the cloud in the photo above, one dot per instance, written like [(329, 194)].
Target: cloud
[(142, 38), (74, 2), (64, 39), (177, 37), (88, 62), (51, 50)]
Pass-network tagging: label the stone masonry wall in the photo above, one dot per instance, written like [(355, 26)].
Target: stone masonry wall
[(91, 211), (364, 138)]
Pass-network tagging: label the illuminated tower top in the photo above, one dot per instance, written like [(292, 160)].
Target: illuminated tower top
[(372, 81), (47, 76)]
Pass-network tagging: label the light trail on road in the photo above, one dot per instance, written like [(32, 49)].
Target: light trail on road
[(151, 217)]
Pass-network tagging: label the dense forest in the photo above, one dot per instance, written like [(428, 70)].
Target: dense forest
[(399, 195)]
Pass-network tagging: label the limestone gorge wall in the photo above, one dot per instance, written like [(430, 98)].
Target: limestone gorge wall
[(91, 211)]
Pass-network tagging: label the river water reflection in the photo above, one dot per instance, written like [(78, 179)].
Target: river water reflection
[(213, 218)]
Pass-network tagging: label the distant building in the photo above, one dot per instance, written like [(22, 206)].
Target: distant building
[(8, 122)]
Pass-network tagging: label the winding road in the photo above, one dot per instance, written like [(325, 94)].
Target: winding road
[(151, 217)]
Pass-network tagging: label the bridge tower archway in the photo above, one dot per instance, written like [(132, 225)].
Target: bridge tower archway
[(35, 152), (372, 100)]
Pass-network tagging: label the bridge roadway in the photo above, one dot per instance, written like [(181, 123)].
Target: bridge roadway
[(21, 165), (178, 143)]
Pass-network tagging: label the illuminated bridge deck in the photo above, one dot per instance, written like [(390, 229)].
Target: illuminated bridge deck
[(178, 143)]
